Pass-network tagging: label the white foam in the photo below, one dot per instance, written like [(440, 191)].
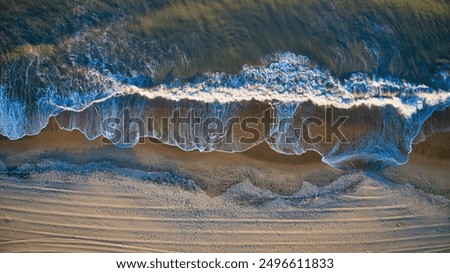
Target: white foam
[(291, 78)]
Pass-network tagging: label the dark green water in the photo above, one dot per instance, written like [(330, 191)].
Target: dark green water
[(92, 57)]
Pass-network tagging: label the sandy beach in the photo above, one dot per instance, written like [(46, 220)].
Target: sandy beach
[(60, 194)]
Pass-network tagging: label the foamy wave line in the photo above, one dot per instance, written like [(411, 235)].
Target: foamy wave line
[(284, 77)]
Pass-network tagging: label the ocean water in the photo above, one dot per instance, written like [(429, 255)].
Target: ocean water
[(355, 82)]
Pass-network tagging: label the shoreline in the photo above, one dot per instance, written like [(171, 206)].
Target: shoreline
[(215, 172)]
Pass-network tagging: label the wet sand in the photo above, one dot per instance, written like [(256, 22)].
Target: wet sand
[(214, 172)]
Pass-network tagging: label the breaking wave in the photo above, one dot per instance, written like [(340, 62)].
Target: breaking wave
[(383, 117)]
